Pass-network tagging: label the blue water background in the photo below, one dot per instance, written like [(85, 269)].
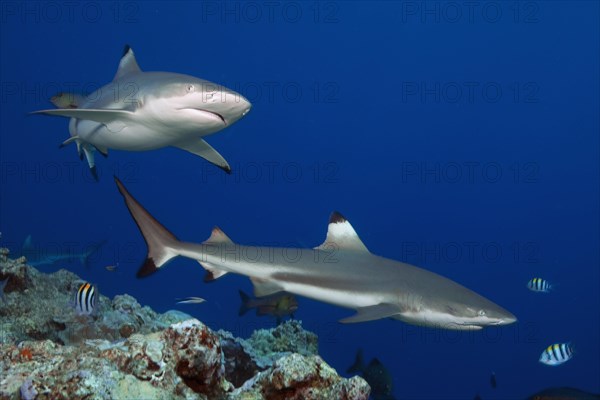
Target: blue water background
[(467, 144)]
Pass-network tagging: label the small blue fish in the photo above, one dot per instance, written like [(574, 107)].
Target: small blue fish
[(539, 285), (557, 354), (85, 299)]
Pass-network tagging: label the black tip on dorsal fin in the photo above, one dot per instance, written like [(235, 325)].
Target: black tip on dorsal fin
[(336, 218), (126, 49), (148, 268)]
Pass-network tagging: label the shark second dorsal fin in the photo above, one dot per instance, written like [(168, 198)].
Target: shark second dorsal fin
[(217, 236), (128, 64), (340, 234)]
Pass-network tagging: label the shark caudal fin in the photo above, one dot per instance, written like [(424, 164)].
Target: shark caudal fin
[(358, 365), (162, 244)]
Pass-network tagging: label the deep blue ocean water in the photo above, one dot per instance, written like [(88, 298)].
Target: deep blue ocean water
[(461, 137)]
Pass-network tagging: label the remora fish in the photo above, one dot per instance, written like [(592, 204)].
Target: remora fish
[(141, 111), (341, 271)]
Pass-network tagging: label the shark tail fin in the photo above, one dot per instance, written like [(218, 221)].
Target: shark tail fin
[(358, 365), (245, 306), (85, 258), (162, 244)]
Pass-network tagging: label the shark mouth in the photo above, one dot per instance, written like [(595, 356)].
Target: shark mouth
[(208, 112)]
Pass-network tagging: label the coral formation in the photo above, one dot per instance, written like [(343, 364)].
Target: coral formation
[(126, 351)]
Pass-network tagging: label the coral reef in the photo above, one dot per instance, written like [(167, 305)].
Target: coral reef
[(125, 351)]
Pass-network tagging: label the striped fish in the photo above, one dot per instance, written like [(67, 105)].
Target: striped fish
[(539, 285), (85, 299), (557, 354)]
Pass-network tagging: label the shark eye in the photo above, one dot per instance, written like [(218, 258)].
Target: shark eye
[(190, 88), (481, 313)]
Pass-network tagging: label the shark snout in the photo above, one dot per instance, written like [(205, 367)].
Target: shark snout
[(507, 319), (240, 106)]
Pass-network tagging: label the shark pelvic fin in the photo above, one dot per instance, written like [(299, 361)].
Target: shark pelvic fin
[(341, 235), (370, 313), (264, 288), (89, 155), (69, 141), (200, 148), (217, 238), (128, 64)]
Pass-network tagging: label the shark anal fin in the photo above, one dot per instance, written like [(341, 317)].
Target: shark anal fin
[(341, 235), (264, 288), (200, 148), (371, 313), (212, 272)]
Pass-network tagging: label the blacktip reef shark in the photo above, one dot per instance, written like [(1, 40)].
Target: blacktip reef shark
[(141, 111), (341, 271)]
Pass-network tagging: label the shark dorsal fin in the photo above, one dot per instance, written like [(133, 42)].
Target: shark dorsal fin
[(217, 236), (28, 243), (127, 65), (341, 234)]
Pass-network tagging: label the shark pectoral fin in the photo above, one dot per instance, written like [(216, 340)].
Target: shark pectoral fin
[(200, 148), (264, 288), (103, 116), (370, 313)]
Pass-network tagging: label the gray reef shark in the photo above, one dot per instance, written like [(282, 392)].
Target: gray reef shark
[(141, 111), (37, 256), (341, 271)]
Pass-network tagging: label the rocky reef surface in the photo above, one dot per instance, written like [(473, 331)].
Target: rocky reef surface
[(126, 351)]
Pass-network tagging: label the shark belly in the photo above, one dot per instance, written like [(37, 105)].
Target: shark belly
[(130, 137), (328, 295)]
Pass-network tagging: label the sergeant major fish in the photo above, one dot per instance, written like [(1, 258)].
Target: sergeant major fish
[(85, 299), (557, 354), (539, 285)]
